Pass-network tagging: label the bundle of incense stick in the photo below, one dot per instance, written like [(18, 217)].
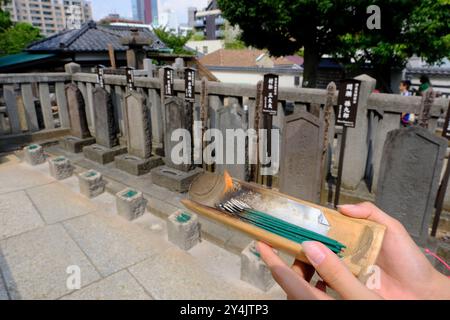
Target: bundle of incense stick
[(244, 212)]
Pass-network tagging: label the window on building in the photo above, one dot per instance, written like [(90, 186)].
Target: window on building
[(297, 81)]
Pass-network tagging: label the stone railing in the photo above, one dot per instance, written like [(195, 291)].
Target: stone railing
[(36, 103)]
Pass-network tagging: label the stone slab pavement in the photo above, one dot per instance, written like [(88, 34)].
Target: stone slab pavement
[(47, 228)]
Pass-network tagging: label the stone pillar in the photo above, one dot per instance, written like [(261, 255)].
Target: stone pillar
[(149, 67), (253, 270), (79, 131), (139, 159), (356, 144), (174, 176), (105, 128), (107, 144), (388, 123), (156, 120)]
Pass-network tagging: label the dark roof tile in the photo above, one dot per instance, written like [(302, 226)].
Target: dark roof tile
[(91, 38)]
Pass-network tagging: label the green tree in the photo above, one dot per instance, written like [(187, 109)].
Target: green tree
[(339, 28), (419, 28), (14, 37), (232, 37), (17, 37), (5, 19), (175, 42)]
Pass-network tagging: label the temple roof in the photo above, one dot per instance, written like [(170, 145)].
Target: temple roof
[(93, 38)]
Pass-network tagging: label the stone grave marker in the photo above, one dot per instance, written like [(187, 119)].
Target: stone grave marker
[(79, 132), (232, 117), (139, 159), (301, 153), (11, 106), (107, 144), (176, 118), (176, 177), (409, 178)]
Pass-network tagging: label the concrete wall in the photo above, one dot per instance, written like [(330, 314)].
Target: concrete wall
[(252, 78), (211, 45)]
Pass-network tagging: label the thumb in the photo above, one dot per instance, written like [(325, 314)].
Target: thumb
[(335, 273)]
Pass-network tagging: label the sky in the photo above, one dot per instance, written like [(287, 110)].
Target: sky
[(102, 8)]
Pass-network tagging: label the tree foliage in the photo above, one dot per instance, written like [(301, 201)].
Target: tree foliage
[(339, 28), (5, 19), (17, 37), (173, 41), (14, 37)]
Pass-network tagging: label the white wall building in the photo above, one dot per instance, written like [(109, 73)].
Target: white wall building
[(206, 46), (248, 66)]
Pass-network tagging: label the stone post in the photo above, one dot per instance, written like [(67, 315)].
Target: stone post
[(130, 204), (139, 159), (91, 183), (149, 67), (253, 270), (72, 68), (183, 230), (60, 168), (80, 135), (34, 154)]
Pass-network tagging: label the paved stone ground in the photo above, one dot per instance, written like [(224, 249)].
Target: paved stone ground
[(47, 226)]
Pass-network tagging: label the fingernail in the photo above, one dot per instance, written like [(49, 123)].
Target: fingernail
[(313, 252), (345, 206)]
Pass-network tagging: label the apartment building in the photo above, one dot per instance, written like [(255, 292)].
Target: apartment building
[(50, 16), (209, 22), (145, 11)]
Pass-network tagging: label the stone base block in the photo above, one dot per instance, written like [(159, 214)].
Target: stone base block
[(60, 168), (74, 144), (102, 154), (130, 203), (174, 180), (253, 270), (34, 154), (91, 183), (158, 149), (183, 230), (135, 165)]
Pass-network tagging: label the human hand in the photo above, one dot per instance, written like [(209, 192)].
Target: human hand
[(405, 271)]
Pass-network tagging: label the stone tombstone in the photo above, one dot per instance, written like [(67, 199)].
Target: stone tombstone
[(176, 118), (301, 153), (409, 178), (77, 112), (231, 117), (105, 127), (138, 126)]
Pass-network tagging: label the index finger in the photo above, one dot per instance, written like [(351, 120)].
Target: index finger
[(293, 284)]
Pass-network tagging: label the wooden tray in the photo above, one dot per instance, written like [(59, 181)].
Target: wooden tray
[(362, 238)]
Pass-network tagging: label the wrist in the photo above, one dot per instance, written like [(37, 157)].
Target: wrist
[(441, 286)]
